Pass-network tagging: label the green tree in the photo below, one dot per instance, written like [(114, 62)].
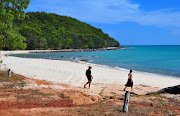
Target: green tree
[(43, 43), (14, 40), (10, 10), (90, 43), (67, 43)]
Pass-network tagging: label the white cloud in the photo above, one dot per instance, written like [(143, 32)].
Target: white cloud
[(107, 11), (160, 18)]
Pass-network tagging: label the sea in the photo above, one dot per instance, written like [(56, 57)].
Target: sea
[(159, 60)]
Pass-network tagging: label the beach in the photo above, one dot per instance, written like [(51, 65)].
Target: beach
[(46, 87), (73, 73)]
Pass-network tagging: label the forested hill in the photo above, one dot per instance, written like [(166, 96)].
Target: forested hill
[(51, 31)]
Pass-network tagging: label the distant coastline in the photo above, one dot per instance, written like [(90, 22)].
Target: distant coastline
[(76, 50), (9, 52)]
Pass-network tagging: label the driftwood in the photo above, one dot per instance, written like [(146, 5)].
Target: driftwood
[(126, 101)]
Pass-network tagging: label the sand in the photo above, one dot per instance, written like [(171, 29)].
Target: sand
[(73, 73), (65, 95)]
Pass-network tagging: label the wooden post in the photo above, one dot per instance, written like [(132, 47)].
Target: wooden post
[(126, 101), (9, 73)]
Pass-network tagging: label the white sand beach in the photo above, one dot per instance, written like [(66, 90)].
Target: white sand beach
[(73, 73)]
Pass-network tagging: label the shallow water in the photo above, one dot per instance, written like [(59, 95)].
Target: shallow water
[(162, 60)]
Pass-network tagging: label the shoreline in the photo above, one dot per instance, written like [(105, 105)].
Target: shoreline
[(7, 52), (80, 50), (124, 69), (84, 50), (69, 72), (101, 65)]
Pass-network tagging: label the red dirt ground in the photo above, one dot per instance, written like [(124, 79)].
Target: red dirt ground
[(31, 98)]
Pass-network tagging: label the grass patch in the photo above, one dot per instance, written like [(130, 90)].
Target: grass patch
[(102, 90), (62, 94), (119, 110), (104, 100), (113, 93), (21, 84), (14, 78), (157, 94), (161, 104), (10, 82), (172, 114), (151, 99)]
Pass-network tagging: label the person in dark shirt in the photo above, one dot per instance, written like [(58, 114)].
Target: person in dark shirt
[(89, 76)]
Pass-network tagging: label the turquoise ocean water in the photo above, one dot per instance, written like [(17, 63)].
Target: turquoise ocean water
[(161, 60)]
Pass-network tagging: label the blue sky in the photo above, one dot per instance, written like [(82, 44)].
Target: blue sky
[(131, 22)]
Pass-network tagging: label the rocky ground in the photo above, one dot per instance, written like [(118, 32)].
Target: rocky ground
[(22, 96)]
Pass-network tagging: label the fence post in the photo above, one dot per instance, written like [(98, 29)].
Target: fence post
[(126, 101), (9, 73)]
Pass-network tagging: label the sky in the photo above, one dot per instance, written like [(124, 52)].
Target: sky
[(131, 22)]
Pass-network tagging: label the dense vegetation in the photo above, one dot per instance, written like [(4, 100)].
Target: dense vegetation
[(51, 31), (19, 30), (10, 38)]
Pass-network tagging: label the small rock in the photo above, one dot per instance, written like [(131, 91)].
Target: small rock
[(112, 97), (120, 98), (84, 60), (152, 104)]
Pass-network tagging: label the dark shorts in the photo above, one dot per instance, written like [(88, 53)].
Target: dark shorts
[(129, 84), (89, 78)]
